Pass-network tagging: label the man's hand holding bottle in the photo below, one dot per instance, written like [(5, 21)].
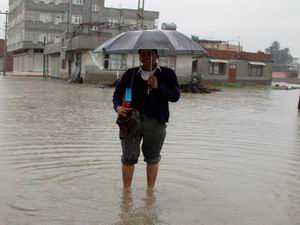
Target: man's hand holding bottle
[(126, 104), (123, 110)]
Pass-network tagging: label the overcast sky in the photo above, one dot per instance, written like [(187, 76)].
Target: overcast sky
[(256, 23)]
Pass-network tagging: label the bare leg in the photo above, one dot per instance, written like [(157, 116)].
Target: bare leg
[(152, 170), (127, 173)]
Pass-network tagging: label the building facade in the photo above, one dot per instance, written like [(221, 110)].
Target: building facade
[(234, 67), (100, 71), (35, 23), (287, 72), (219, 45)]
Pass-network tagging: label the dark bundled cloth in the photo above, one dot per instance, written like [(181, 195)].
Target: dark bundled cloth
[(129, 124)]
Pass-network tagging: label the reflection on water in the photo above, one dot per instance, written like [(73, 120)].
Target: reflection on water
[(230, 156), (146, 213)]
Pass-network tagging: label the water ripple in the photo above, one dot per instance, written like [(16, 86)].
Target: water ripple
[(229, 156)]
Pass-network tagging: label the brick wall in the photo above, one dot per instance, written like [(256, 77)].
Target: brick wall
[(250, 56), (1, 47)]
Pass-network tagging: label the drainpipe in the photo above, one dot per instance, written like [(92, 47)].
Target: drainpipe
[(44, 59)]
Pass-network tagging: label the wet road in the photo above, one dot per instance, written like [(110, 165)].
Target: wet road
[(232, 157)]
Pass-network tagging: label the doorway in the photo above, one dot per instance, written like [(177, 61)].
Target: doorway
[(232, 73)]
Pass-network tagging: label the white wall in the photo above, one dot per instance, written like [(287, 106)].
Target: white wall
[(184, 68), (133, 60), (92, 67)]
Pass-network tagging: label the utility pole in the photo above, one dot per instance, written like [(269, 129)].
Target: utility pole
[(44, 59), (70, 17), (5, 43), (140, 15)]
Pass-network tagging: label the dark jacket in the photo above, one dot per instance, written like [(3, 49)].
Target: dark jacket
[(155, 104)]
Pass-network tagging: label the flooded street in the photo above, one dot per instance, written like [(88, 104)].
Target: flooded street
[(231, 157)]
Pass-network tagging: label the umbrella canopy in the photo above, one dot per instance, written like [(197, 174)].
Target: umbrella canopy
[(167, 42)]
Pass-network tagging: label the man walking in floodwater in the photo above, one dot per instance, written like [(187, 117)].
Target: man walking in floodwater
[(142, 97)]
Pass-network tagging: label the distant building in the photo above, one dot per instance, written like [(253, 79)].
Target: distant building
[(280, 72), (219, 66), (9, 58), (218, 44), (72, 57), (284, 72), (75, 54), (34, 23), (234, 67), (229, 63)]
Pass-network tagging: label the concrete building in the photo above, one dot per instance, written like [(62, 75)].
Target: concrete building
[(72, 57), (76, 56), (218, 44), (109, 69), (280, 72), (34, 23), (287, 72), (234, 67), (229, 63)]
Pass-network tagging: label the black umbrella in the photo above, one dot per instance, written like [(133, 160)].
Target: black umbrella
[(165, 41)]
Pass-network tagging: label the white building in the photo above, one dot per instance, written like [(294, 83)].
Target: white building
[(33, 23)]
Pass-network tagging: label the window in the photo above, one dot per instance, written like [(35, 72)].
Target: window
[(95, 28), (115, 62), (76, 19), (58, 19), (45, 18), (95, 8), (255, 70), (57, 39), (168, 61), (77, 2), (42, 37), (112, 21), (216, 68)]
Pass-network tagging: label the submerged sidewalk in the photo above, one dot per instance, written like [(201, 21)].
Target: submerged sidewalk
[(24, 74)]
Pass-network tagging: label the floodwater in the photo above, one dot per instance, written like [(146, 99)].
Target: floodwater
[(231, 157)]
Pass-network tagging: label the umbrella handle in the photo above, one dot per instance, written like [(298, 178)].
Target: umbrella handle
[(149, 87)]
